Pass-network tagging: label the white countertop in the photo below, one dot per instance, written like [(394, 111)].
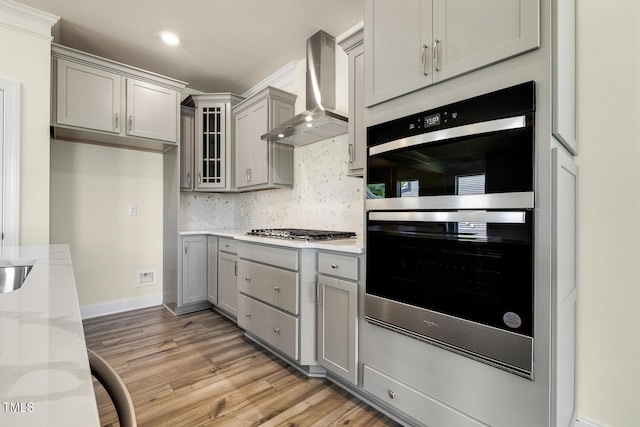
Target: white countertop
[(354, 245), (45, 378)]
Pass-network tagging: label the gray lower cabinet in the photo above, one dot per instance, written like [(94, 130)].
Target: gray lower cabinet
[(194, 270), (228, 276), (338, 315), (212, 270), (411, 401), (276, 300)]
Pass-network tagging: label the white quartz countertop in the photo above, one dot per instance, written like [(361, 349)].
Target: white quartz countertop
[(354, 245), (45, 378)]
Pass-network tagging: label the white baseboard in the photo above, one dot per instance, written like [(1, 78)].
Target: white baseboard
[(118, 306), (581, 422)]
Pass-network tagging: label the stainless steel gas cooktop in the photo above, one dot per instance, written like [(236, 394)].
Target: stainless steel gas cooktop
[(301, 234)]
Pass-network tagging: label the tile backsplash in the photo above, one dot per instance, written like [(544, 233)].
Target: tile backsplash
[(323, 197)]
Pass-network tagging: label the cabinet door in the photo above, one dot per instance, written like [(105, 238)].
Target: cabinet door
[(397, 48), (88, 97), (151, 111), (242, 134), (469, 34), (194, 269), (227, 283), (357, 129), (212, 269), (564, 286), (258, 150), (187, 123), (281, 161), (210, 146), (338, 327)]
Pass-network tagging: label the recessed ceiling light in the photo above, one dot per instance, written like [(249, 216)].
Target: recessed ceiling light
[(169, 38)]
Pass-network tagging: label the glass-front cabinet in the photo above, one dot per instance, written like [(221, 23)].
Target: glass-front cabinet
[(211, 144)]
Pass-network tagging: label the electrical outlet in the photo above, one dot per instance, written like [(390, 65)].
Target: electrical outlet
[(146, 278), (133, 210)]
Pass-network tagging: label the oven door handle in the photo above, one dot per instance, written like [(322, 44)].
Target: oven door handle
[(502, 217), (516, 122)]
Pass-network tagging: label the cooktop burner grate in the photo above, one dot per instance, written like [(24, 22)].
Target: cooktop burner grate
[(301, 234)]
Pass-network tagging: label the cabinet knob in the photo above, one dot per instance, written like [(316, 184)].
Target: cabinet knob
[(392, 394), (276, 288), (334, 266), (247, 315), (248, 279), (276, 330)]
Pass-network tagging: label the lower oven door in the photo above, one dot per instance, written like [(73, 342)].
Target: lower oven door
[(459, 279)]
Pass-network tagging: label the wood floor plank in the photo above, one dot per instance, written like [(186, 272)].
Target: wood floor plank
[(198, 369)]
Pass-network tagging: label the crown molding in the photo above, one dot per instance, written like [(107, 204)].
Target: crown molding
[(26, 19)]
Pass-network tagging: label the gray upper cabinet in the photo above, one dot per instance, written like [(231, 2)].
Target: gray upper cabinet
[(210, 152), (354, 47), (88, 97), (260, 164), (151, 111), (564, 74), (441, 39), (99, 101), (187, 140)]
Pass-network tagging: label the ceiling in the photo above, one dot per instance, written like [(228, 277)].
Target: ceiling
[(226, 45)]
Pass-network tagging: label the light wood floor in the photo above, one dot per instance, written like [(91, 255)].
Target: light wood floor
[(198, 370)]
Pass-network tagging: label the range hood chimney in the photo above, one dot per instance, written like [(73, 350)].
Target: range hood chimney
[(320, 121)]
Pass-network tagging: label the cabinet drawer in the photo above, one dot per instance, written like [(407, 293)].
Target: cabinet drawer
[(271, 325), (272, 285), (412, 402), (342, 266), (272, 255), (228, 245)]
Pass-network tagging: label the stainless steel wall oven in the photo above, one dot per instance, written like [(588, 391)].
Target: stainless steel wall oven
[(450, 198)]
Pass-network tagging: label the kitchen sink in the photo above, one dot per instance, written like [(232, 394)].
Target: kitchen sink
[(13, 274)]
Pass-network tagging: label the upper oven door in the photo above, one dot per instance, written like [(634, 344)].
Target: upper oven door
[(478, 146), (481, 158)]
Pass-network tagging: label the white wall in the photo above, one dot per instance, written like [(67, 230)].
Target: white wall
[(25, 55), (92, 187), (608, 358)]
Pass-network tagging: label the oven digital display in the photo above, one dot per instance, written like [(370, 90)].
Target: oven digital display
[(432, 120)]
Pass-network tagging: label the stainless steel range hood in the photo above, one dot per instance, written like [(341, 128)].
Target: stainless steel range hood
[(320, 121)]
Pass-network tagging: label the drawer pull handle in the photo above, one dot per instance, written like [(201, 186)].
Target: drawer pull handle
[(276, 330), (392, 394), (334, 265), (276, 288)]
